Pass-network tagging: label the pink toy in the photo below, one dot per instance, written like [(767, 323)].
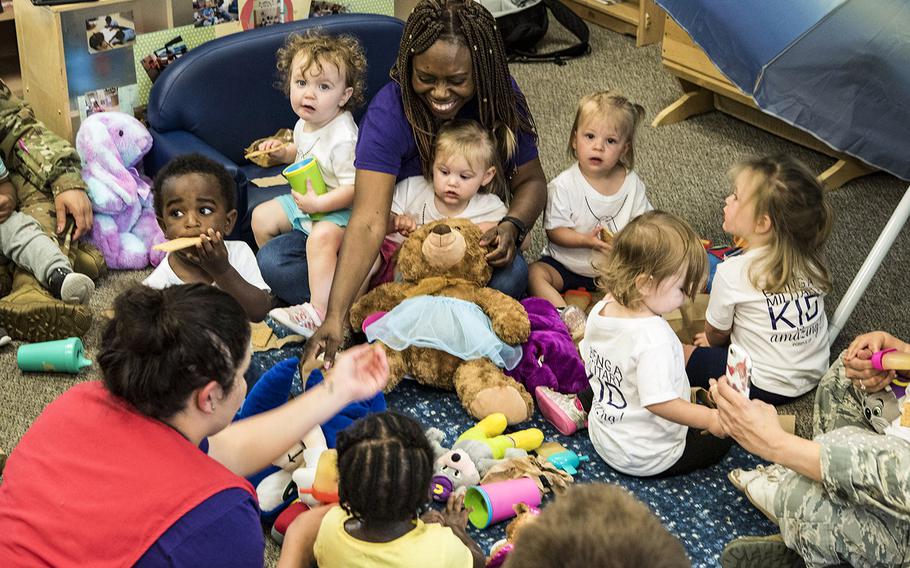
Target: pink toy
[(494, 502), (891, 360), (111, 144)]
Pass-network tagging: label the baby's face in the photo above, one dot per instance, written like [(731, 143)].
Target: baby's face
[(193, 204), (317, 95)]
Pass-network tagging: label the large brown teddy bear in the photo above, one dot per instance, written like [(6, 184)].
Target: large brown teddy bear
[(444, 260)]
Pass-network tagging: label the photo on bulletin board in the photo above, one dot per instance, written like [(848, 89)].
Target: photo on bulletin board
[(121, 99), (110, 31), (157, 61), (261, 13), (154, 51), (213, 12)]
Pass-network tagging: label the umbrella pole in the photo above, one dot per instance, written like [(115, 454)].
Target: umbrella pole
[(870, 267)]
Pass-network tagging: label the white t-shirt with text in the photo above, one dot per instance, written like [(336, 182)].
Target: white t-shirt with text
[(240, 256), (633, 363), (572, 202), (785, 334)]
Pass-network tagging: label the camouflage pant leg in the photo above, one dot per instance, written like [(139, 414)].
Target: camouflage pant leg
[(826, 529), (837, 403)]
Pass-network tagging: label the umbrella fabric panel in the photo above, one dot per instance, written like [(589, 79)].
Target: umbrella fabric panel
[(848, 83), (741, 37)]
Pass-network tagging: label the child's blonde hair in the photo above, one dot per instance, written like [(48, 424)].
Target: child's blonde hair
[(344, 52), (801, 220), (611, 105), (654, 245), (478, 146)]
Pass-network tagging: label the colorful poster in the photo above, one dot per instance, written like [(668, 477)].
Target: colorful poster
[(260, 13)]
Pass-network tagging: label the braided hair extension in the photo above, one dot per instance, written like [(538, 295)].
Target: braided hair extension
[(385, 464), (467, 23)]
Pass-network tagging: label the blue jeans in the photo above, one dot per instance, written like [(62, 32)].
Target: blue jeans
[(282, 262)]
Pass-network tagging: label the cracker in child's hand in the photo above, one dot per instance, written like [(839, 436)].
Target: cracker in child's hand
[(606, 235), (178, 244), (905, 414)]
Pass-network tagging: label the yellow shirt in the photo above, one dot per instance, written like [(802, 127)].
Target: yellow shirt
[(427, 546)]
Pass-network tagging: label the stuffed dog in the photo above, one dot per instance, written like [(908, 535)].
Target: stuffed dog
[(111, 144)]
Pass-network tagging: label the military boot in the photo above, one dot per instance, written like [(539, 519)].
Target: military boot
[(88, 260), (760, 552), (30, 313)]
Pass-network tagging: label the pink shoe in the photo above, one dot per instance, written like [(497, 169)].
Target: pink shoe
[(302, 318), (563, 411)]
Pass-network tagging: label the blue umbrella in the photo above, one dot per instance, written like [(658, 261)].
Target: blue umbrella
[(838, 69)]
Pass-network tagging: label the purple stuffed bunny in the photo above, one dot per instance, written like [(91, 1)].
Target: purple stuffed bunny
[(549, 358), (125, 228)]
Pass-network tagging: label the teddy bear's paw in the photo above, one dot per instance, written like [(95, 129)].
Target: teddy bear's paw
[(484, 390)]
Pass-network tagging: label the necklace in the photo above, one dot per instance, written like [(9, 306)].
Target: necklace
[(606, 221)]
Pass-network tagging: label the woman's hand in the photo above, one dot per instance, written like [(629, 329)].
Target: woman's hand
[(325, 341), (858, 360), (501, 239), (359, 373), (752, 423)]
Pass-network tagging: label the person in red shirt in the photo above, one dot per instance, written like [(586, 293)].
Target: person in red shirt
[(146, 466)]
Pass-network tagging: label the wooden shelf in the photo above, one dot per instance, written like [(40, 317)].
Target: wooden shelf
[(642, 19)]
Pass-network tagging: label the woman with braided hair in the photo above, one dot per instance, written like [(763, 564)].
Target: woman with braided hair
[(384, 468), (451, 64)]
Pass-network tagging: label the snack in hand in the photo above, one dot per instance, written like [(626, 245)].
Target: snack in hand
[(905, 414), (606, 235), (178, 244)]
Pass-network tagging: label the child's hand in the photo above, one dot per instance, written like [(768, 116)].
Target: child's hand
[(307, 202), (596, 243), (7, 200), (455, 515), (700, 339), (433, 516), (714, 426), (404, 224), (358, 373), (270, 144), (211, 254)]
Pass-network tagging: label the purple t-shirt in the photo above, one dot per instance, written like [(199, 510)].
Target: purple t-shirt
[(223, 530), (386, 142)]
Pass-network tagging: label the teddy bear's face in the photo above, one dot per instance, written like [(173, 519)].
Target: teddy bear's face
[(449, 247)]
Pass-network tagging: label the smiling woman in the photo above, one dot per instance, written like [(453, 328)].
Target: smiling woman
[(451, 63)]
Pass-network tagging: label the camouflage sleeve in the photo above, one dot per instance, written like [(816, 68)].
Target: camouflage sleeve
[(867, 469), (29, 149)]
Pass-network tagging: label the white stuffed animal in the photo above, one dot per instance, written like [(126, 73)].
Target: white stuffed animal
[(125, 228)]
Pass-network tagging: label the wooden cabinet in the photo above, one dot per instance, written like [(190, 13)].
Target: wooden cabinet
[(642, 19), (705, 89), (57, 65)]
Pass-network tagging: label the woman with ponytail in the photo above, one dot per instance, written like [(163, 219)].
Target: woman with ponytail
[(451, 64), (146, 466)]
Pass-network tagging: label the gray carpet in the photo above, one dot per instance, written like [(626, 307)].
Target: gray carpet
[(682, 165)]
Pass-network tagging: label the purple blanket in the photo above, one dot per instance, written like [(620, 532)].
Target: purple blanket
[(550, 358)]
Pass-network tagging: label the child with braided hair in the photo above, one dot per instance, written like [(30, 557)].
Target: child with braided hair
[(384, 468), (451, 64)]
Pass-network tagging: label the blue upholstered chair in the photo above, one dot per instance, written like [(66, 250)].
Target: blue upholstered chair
[(221, 96)]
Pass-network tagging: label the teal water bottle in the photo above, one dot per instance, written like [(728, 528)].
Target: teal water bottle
[(61, 356)]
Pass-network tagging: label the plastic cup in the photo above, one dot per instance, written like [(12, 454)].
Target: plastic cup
[(61, 356), (300, 172), (494, 502)]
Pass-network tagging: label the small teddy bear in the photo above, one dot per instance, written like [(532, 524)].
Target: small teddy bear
[(125, 228), (444, 327), (475, 452)]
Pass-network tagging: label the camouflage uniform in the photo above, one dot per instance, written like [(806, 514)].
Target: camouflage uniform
[(860, 512), (41, 165)]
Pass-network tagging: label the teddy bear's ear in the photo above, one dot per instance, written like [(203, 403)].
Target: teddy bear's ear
[(96, 147)]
